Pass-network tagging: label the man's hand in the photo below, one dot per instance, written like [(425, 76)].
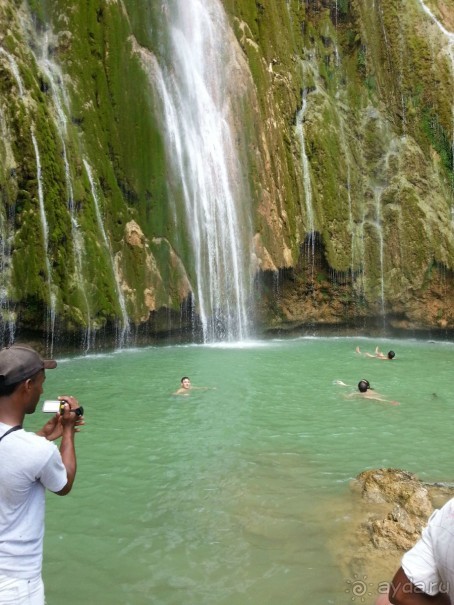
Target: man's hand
[(53, 429), (68, 418)]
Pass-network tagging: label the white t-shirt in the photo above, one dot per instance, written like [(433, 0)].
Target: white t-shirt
[(429, 565), (28, 465)]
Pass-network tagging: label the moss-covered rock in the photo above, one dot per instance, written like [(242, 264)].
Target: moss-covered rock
[(368, 199)]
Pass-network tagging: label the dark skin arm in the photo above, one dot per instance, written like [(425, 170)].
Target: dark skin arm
[(53, 428), (403, 592), (68, 451), (65, 426)]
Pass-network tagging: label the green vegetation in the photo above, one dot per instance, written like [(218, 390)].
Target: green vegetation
[(378, 138)]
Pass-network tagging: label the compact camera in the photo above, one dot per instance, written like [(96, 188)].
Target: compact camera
[(53, 406)]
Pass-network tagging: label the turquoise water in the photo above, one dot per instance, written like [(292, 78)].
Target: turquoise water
[(226, 496)]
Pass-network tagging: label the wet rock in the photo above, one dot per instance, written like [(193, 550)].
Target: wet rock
[(388, 510), (410, 507), (401, 487)]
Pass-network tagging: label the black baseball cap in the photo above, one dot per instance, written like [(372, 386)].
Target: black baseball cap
[(19, 362)]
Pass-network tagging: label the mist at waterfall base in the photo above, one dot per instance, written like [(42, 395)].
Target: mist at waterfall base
[(241, 493)]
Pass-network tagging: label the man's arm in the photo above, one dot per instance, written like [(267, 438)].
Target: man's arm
[(68, 456), (70, 422), (203, 388), (52, 429), (384, 400), (403, 592)]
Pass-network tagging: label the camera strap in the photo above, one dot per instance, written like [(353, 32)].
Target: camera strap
[(13, 428)]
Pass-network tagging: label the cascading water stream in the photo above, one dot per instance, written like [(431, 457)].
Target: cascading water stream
[(381, 246), (192, 82), (14, 70), (441, 27), (7, 328), (122, 338), (45, 232), (307, 183), (450, 39), (8, 323), (305, 164), (62, 106), (52, 302)]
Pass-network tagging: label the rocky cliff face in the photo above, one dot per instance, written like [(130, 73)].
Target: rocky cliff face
[(371, 86), (343, 113)]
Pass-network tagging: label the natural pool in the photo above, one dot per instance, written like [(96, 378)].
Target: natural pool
[(231, 496)]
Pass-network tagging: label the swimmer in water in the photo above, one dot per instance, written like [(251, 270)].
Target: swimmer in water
[(378, 354), (367, 392), (186, 387), (340, 383)]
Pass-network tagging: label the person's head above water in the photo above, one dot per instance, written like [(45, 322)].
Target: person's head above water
[(391, 354), (185, 382), (363, 385)]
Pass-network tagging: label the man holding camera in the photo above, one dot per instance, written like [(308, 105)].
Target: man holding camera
[(29, 464)]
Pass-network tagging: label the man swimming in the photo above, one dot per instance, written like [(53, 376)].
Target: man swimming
[(186, 387)]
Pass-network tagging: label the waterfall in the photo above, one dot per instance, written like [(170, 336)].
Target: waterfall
[(450, 39), (7, 323), (305, 164), (8, 320), (45, 232), (441, 27), (192, 82), (307, 183), (14, 70), (381, 247), (62, 107), (52, 299), (122, 338)]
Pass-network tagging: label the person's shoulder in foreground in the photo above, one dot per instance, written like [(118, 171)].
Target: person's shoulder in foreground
[(30, 464), (426, 575)]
